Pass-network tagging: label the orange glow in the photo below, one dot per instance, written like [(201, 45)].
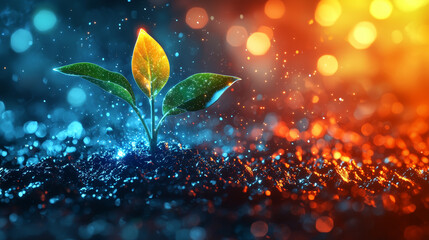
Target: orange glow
[(197, 18), (327, 12), (327, 65), (337, 155), (317, 130), (293, 134), (267, 30), (324, 224), (236, 36), (258, 43), (274, 9)]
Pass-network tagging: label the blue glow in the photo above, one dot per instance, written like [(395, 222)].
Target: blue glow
[(44, 20), (87, 140), (21, 40), (30, 127), (76, 97), (120, 154), (216, 96), (75, 130), (2, 107)]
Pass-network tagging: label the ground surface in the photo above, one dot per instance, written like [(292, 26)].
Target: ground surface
[(195, 194)]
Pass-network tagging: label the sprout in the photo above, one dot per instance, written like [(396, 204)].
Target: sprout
[(151, 70)]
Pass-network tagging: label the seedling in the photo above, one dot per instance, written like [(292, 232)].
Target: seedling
[(151, 71)]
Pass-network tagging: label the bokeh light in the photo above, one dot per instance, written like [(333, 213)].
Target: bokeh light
[(236, 36), (259, 229), (258, 43), (44, 20), (197, 18), (362, 35), (327, 65), (410, 5), (327, 12), (274, 9), (267, 30), (324, 224), (381, 9), (21, 40), (76, 97)]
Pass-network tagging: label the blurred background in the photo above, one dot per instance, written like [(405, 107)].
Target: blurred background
[(308, 68)]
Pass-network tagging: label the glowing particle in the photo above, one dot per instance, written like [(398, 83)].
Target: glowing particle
[(44, 20), (21, 40), (176, 54), (236, 36), (337, 155), (324, 224), (75, 130), (293, 134), (76, 97), (327, 12), (362, 35), (317, 130), (258, 43), (41, 130), (327, 65), (274, 9), (30, 127), (380, 9), (197, 18), (367, 129), (87, 140), (120, 154), (259, 229)]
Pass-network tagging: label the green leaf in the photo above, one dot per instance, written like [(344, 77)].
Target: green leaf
[(112, 82), (195, 93)]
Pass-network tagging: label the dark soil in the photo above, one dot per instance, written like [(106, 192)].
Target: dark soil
[(194, 194)]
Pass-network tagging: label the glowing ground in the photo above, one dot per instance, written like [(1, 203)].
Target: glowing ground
[(180, 193)]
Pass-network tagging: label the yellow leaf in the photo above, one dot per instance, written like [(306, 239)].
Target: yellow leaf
[(149, 65)]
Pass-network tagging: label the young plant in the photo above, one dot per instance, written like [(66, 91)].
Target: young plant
[(151, 71)]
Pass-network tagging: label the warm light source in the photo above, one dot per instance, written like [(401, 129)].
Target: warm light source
[(327, 12), (197, 18), (258, 43), (380, 9), (362, 35), (324, 224), (327, 65), (274, 9), (236, 36), (410, 5), (267, 30)]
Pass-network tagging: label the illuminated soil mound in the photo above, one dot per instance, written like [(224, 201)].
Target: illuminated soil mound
[(195, 194)]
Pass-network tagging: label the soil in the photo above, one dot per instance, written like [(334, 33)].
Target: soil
[(179, 193)]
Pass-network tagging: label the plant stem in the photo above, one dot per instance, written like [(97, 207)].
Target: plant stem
[(160, 122), (154, 139), (144, 124)]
